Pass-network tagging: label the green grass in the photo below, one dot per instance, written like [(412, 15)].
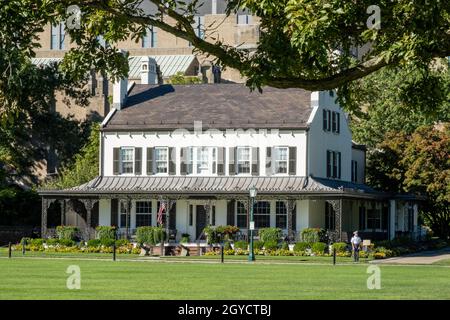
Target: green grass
[(445, 262), (45, 278)]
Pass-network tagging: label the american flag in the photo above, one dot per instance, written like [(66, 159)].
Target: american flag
[(162, 208)]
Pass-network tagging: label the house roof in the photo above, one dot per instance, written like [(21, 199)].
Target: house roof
[(213, 186), (218, 106), (168, 64)]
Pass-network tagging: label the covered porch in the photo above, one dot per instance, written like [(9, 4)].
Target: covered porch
[(192, 203)]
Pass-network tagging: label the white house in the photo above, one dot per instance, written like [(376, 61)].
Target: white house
[(200, 148)]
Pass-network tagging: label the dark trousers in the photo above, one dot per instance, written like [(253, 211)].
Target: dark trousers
[(355, 254)]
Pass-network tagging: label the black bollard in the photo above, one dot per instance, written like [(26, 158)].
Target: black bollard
[(221, 253), (334, 256), (9, 250), (114, 246), (24, 243)]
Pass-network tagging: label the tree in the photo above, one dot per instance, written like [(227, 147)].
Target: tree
[(304, 43), (417, 163), (84, 168), (399, 99)]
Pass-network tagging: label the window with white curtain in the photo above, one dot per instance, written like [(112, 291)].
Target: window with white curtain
[(161, 159), (243, 160), (127, 160), (281, 160)]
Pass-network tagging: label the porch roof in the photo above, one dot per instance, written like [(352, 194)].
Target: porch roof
[(217, 185)]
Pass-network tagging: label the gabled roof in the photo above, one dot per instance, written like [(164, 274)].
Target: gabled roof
[(218, 106)]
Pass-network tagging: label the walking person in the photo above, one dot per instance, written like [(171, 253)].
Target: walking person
[(356, 245)]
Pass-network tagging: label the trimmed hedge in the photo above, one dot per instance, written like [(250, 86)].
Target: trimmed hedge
[(106, 232), (318, 247), (150, 235), (340, 247), (67, 232), (270, 234), (271, 245), (301, 246), (241, 245), (312, 235)]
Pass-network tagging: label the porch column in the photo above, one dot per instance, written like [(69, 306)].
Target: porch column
[(415, 222), (392, 213), (290, 204), (337, 208), (44, 217), (89, 205), (127, 218)]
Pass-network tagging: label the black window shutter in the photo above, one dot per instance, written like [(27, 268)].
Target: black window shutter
[(230, 212), (172, 161), (325, 125), (328, 120), (114, 212), (328, 163), (116, 161), (138, 161), (338, 116), (173, 217), (339, 164), (333, 122), (292, 161), (231, 160), (221, 161), (294, 218), (268, 161), (356, 171), (183, 165), (150, 161), (255, 161)]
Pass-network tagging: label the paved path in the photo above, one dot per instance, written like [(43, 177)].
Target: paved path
[(426, 257)]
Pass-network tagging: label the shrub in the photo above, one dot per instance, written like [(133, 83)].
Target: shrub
[(36, 242), (185, 238), (67, 242), (258, 245), (94, 243), (122, 242), (150, 235), (243, 245), (285, 246), (269, 234), (382, 252), (318, 247), (340, 246), (227, 232), (312, 235), (271, 245), (67, 232), (227, 246), (106, 232), (301, 246), (52, 242), (107, 242)]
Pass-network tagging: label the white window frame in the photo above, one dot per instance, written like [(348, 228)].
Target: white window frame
[(156, 161), (277, 161), (60, 35), (122, 162), (212, 160), (239, 160)]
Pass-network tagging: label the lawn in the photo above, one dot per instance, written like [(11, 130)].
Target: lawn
[(45, 278), (445, 262)]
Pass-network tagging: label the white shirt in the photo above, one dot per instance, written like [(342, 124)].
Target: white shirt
[(356, 240)]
